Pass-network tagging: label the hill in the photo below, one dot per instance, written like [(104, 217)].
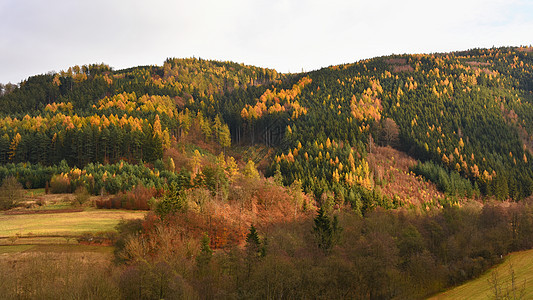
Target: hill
[(245, 171), (469, 112)]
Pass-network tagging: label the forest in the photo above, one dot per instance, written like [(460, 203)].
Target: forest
[(261, 184)]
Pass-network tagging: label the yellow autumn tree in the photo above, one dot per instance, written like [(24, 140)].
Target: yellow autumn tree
[(14, 144), (250, 171)]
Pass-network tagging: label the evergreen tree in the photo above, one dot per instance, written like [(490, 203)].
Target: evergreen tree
[(327, 232), (253, 243), (206, 253)]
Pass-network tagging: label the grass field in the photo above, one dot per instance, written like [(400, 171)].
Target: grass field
[(55, 249), (64, 224), (34, 192), (480, 288), (15, 248)]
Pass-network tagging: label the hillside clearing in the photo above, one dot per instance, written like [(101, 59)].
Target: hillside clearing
[(480, 288), (391, 168), (64, 224)]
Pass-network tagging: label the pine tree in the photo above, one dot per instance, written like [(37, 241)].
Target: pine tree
[(252, 240), (326, 231), (278, 177), (206, 253)]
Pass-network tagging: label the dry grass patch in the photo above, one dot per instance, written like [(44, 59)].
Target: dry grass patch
[(64, 224), (15, 248), (49, 275)]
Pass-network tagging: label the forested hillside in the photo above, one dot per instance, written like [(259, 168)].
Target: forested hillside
[(468, 112)]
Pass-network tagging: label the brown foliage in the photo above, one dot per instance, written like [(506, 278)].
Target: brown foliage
[(250, 201), (396, 61), (390, 132), (60, 184), (404, 68), (181, 160), (399, 65), (478, 63), (197, 138), (391, 169), (136, 199), (57, 275)]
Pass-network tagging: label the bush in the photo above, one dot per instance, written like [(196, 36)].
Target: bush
[(11, 193), (60, 184), (137, 199), (81, 195)]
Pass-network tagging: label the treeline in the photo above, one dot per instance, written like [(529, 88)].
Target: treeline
[(96, 178), (187, 79)]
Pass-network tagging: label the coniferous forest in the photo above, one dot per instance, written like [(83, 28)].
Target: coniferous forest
[(392, 177)]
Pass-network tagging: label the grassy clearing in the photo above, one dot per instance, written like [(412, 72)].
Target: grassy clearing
[(54, 206), (522, 264), (69, 249), (34, 192), (39, 240), (15, 248), (64, 224)]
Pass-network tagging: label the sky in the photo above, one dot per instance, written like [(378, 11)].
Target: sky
[(41, 36)]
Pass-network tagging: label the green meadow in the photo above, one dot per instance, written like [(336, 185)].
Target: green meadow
[(482, 288)]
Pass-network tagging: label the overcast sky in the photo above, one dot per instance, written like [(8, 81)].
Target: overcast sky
[(38, 36)]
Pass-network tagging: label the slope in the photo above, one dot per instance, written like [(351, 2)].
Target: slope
[(520, 264), (470, 112)]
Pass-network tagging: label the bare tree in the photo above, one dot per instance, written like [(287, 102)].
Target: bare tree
[(390, 132), (11, 193), (499, 291)]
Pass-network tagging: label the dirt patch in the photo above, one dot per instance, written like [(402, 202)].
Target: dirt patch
[(399, 65), (404, 68), (396, 61), (525, 49), (486, 71), (477, 63)]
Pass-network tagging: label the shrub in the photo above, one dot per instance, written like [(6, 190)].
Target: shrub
[(59, 184), (81, 195), (11, 193), (137, 199)]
